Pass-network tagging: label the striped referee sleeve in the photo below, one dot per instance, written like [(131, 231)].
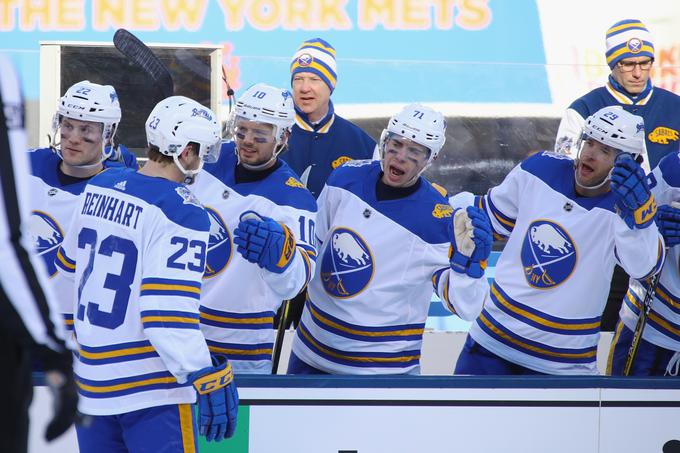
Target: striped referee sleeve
[(25, 302)]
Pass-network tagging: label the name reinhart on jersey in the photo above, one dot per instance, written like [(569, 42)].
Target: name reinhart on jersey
[(112, 209)]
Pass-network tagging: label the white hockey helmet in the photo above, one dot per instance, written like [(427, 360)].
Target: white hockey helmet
[(420, 124), (177, 121), (87, 101), (266, 104), (615, 127)]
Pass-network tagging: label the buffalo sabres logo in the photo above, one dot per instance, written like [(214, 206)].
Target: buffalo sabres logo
[(219, 245), (46, 236), (634, 45), (305, 59), (347, 265), (548, 254), (201, 113)]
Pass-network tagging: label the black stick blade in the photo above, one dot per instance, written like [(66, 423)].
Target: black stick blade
[(138, 52)]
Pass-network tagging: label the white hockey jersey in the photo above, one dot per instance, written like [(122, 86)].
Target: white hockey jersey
[(53, 203), (369, 298), (239, 299), (663, 323), (136, 253), (553, 276)]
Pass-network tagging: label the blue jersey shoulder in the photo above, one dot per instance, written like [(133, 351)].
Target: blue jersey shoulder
[(425, 213), (282, 186), (557, 171), (176, 201), (45, 165)]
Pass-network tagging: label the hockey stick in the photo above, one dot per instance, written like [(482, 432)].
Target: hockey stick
[(641, 322), (137, 52), (280, 332)]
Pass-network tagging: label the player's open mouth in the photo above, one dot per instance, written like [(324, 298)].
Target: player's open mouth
[(586, 170), (395, 171)]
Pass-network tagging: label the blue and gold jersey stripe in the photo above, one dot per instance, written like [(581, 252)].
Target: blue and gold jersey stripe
[(534, 348), (308, 266), (660, 258), (311, 251), (488, 206), (126, 386), (241, 351), (231, 320), (667, 298), (401, 359), (445, 296), (169, 319), (654, 319), (68, 321), (337, 326), (541, 320), (170, 287), (64, 262), (122, 352)]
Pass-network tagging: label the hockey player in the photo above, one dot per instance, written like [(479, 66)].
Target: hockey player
[(657, 353), (28, 311), (630, 56), (568, 222), (136, 253), (321, 140), (384, 236), (275, 254), (83, 128)]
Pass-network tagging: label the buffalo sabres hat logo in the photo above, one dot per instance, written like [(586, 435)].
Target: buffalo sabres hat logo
[(347, 265), (634, 45), (548, 254), (305, 59)]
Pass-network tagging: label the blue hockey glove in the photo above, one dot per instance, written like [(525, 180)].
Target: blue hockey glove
[(635, 203), (265, 242), (471, 244), (217, 399), (668, 221)]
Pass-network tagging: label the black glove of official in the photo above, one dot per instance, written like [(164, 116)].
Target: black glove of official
[(58, 368)]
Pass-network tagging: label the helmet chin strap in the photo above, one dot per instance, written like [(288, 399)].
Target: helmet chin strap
[(189, 175)]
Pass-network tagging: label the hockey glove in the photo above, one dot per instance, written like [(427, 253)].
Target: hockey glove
[(59, 378), (635, 203), (265, 242), (668, 221), (471, 245), (217, 399)]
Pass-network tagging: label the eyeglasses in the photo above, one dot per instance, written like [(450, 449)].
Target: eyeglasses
[(628, 66)]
